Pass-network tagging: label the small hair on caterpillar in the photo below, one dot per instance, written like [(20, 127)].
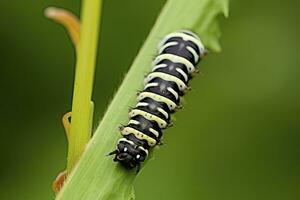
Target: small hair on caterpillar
[(178, 54)]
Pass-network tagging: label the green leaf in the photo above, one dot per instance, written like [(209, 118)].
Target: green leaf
[(97, 176)]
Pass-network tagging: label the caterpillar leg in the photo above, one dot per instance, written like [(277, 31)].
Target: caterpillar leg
[(179, 107), (171, 124), (121, 127), (113, 153)]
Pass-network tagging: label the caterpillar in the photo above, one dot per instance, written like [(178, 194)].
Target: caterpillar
[(178, 54)]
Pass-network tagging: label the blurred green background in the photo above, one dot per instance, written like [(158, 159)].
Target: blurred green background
[(236, 139)]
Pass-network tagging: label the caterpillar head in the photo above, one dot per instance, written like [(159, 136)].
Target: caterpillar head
[(129, 155)]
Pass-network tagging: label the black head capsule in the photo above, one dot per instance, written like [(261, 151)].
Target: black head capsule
[(129, 155)]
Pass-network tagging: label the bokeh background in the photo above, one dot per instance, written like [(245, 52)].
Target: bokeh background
[(236, 139)]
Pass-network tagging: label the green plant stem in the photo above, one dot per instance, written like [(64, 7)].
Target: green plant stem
[(83, 84), (97, 177)]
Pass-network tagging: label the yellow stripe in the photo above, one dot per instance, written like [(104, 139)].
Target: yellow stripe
[(134, 122), (173, 92), (162, 111), (186, 78), (185, 37), (159, 66), (192, 51), (161, 123), (142, 148), (181, 85), (150, 85), (159, 98), (176, 59), (125, 140), (139, 135), (154, 132), (166, 46)]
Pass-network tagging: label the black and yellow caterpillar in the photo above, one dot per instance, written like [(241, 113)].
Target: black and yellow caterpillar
[(173, 67)]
